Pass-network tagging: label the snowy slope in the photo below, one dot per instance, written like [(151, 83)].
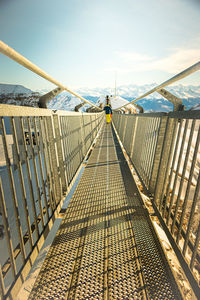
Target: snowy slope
[(154, 102), (65, 101), (13, 89)]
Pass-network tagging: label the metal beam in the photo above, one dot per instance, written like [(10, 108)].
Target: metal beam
[(177, 102), (14, 55)]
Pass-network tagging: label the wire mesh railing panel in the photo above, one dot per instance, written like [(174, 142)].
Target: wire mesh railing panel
[(40, 153), (129, 133), (139, 135)]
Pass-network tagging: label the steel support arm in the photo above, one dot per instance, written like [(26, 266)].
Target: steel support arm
[(177, 102), (47, 97), (77, 107)]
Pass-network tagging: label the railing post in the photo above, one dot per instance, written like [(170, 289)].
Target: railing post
[(133, 139), (82, 125), (53, 158), (125, 125), (158, 151), (162, 155), (2, 286), (60, 152)]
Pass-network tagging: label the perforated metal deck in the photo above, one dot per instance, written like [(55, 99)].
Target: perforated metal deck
[(106, 247)]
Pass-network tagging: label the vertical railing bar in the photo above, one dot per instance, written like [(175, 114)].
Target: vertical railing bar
[(173, 164), (54, 157), (59, 147), (148, 149), (26, 158), (159, 162), (134, 135), (188, 186), (78, 141), (120, 121), (69, 146), (35, 171), (79, 156), (150, 154), (144, 149), (194, 203), (75, 138), (125, 125), (72, 148), (63, 138), (135, 157), (13, 192), (7, 230), (125, 144), (2, 286), (76, 144), (177, 170), (83, 135), (82, 138), (155, 140), (167, 171), (41, 170), (66, 150), (49, 164), (127, 133), (135, 152), (196, 246), (183, 172), (151, 148), (21, 180), (141, 150), (91, 135), (45, 156)]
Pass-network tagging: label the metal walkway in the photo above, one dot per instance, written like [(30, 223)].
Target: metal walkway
[(106, 246)]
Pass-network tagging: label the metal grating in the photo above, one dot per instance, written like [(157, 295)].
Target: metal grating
[(106, 246)]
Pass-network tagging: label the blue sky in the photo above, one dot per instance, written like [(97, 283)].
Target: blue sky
[(83, 43)]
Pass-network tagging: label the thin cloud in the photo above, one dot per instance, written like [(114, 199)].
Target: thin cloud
[(133, 56), (176, 61)]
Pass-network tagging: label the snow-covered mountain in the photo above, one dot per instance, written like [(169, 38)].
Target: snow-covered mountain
[(19, 95), (14, 89), (133, 91), (154, 102), (66, 101)]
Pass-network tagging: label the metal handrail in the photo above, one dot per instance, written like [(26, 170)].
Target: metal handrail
[(181, 75), (14, 55)]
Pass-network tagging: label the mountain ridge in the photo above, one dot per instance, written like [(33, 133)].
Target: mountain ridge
[(20, 95)]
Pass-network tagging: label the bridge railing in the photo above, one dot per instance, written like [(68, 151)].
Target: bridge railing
[(164, 149), (41, 153)]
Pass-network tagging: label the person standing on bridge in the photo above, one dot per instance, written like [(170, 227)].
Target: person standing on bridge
[(108, 110)]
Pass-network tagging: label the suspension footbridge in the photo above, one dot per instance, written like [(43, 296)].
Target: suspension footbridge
[(106, 246)]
